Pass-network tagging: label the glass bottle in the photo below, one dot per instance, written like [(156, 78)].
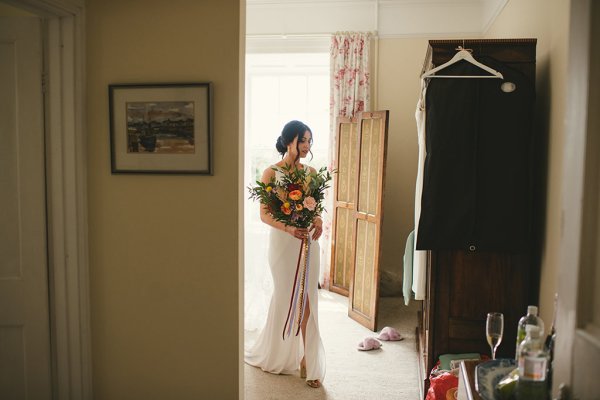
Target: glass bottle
[(530, 319), (533, 366)]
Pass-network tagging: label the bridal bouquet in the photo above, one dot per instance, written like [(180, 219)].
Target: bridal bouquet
[(296, 198)]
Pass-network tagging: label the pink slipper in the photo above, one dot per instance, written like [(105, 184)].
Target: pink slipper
[(369, 344), (389, 333)]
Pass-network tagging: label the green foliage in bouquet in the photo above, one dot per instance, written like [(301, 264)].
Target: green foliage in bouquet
[(296, 198)]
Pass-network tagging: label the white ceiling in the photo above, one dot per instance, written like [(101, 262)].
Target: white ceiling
[(388, 18)]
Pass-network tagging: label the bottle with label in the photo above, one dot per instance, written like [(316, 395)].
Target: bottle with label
[(530, 319), (533, 366)]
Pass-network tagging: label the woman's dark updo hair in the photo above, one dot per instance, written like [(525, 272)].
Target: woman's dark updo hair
[(291, 130)]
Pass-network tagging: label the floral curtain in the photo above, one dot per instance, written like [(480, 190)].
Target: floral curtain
[(349, 94), (349, 73)]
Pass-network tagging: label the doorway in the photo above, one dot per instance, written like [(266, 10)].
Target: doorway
[(281, 86), (63, 156)]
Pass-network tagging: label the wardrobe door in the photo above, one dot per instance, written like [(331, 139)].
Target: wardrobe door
[(364, 288), (471, 284), (344, 206)]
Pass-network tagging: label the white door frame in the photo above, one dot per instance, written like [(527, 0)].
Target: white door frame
[(570, 324), (66, 174)]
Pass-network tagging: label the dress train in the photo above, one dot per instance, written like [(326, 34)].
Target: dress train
[(271, 352)]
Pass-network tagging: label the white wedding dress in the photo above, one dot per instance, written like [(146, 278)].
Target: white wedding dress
[(271, 352)]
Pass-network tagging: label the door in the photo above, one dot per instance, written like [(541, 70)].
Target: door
[(578, 320), (24, 316), (344, 206), (370, 178)]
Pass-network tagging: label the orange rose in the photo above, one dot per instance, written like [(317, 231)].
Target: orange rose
[(295, 195), (299, 207), (285, 208)]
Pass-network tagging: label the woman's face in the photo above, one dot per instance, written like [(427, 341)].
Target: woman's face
[(301, 145)]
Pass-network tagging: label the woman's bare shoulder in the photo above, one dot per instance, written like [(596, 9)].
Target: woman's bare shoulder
[(268, 173)]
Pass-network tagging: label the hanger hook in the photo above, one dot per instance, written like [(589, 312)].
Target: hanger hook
[(459, 48)]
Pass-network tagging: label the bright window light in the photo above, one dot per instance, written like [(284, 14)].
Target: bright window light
[(279, 88)]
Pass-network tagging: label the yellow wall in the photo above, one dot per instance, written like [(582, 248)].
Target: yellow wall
[(397, 90), (548, 21), (7, 10), (163, 249)]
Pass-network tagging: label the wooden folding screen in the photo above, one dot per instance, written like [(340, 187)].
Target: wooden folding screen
[(344, 206), (358, 213), (364, 287)]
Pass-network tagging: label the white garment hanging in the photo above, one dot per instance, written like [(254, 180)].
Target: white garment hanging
[(419, 256)]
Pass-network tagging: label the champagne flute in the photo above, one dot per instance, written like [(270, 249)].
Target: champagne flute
[(494, 328)]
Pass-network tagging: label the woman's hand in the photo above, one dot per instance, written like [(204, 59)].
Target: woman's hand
[(317, 228), (298, 233)]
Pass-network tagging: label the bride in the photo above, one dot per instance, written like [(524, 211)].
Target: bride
[(272, 352)]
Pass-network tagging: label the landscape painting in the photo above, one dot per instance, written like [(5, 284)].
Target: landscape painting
[(165, 127), (161, 128)]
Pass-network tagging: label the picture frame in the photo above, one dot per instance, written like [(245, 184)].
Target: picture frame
[(161, 128)]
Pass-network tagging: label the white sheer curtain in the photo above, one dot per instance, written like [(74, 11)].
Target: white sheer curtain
[(349, 94)]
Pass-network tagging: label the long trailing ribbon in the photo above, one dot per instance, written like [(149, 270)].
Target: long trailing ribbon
[(296, 310)]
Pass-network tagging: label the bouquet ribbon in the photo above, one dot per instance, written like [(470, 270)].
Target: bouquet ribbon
[(299, 293)]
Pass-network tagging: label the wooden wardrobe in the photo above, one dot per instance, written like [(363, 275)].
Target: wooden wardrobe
[(462, 286)]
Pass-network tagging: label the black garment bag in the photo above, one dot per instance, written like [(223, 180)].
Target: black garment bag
[(477, 183)]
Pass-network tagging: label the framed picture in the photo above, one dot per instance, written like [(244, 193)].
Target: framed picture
[(161, 128)]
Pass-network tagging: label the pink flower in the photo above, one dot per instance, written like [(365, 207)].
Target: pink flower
[(310, 203)]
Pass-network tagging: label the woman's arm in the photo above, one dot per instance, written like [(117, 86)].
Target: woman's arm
[(299, 233)]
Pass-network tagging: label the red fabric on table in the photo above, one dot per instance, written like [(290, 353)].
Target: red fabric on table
[(440, 383)]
